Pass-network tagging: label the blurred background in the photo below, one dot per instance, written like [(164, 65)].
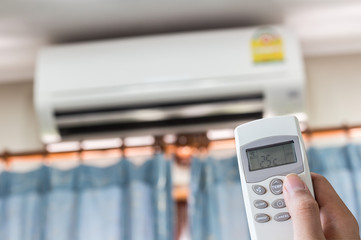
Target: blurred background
[(117, 117)]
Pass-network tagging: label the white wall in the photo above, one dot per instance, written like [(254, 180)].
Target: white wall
[(18, 127), (334, 90), (334, 97)]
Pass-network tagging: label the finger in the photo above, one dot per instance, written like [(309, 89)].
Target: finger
[(303, 209), (336, 219), (324, 192)]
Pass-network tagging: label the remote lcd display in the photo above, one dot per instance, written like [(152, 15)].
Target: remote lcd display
[(271, 156)]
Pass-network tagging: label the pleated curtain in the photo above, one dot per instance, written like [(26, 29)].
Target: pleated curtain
[(216, 204), (120, 202)]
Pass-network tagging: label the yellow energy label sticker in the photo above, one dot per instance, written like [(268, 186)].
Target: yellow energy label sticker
[(267, 46)]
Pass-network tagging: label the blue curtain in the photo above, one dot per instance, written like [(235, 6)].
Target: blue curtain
[(342, 167), (123, 201), (216, 203)]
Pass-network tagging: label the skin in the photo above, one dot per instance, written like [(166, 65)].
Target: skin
[(325, 217)]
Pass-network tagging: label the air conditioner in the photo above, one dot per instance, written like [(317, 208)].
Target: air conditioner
[(167, 83)]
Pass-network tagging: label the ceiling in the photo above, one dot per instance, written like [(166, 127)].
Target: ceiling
[(26, 26)]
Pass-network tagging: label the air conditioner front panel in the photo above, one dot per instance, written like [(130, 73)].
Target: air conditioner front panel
[(157, 59), (165, 92), (143, 84)]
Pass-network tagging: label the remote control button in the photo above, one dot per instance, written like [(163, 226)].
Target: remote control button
[(283, 216), (258, 189), (276, 186), (262, 218), (260, 204), (279, 203)]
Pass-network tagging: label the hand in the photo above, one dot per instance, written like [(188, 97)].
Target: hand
[(327, 217)]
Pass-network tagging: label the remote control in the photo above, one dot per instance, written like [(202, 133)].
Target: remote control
[(268, 150)]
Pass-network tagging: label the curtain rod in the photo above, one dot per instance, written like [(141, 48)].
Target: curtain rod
[(309, 131), (346, 129), (196, 140), (8, 154)]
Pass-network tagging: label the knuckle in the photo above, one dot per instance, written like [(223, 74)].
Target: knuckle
[(319, 176), (322, 178), (319, 179)]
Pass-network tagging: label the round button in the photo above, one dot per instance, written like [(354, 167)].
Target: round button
[(276, 186), (258, 189), (279, 203), (260, 204)]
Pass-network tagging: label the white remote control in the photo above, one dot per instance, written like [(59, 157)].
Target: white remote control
[(268, 150)]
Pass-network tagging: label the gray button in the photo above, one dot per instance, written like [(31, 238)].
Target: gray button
[(260, 204), (258, 189), (283, 216), (276, 186), (262, 218), (279, 203)]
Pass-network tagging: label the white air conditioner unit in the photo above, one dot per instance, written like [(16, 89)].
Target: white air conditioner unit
[(167, 83)]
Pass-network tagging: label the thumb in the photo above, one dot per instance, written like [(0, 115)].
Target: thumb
[(303, 209)]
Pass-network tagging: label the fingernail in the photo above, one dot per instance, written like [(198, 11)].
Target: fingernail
[(293, 183)]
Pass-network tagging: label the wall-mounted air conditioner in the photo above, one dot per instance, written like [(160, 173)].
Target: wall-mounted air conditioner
[(167, 83)]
